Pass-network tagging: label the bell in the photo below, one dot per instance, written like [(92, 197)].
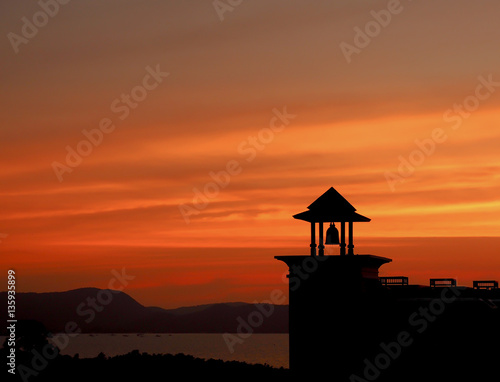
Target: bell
[(332, 235)]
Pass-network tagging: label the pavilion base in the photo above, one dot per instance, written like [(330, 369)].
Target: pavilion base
[(336, 310)]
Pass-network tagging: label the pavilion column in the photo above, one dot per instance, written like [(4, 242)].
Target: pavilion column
[(342, 239), (313, 239), (351, 239), (321, 247)]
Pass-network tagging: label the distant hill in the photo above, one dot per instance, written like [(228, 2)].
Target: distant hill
[(104, 311)]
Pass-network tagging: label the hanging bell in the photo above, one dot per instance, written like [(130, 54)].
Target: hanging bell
[(332, 235)]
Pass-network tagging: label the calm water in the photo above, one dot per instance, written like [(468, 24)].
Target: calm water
[(258, 348)]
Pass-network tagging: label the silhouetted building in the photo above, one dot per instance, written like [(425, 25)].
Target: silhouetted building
[(348, 324)]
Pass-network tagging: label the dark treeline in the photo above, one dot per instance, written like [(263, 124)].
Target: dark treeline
[(37, 360), (136, 367)]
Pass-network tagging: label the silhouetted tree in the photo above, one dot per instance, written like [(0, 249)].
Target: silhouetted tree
[(33, 351)]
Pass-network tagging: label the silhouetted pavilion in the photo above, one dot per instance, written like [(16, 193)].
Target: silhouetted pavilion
[(331, 290), (334, 208)]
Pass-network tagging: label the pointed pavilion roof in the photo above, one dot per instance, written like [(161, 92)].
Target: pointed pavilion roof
[(332, 199), (331, 207)]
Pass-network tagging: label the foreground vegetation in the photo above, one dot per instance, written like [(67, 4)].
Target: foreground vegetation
[(146, 367), (36, 360)]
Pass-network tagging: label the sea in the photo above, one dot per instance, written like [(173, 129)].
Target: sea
[(270, 349)]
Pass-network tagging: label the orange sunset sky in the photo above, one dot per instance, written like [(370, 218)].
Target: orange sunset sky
[(417, 102)]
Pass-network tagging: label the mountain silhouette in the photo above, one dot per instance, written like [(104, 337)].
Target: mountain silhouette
[(94, 311)]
